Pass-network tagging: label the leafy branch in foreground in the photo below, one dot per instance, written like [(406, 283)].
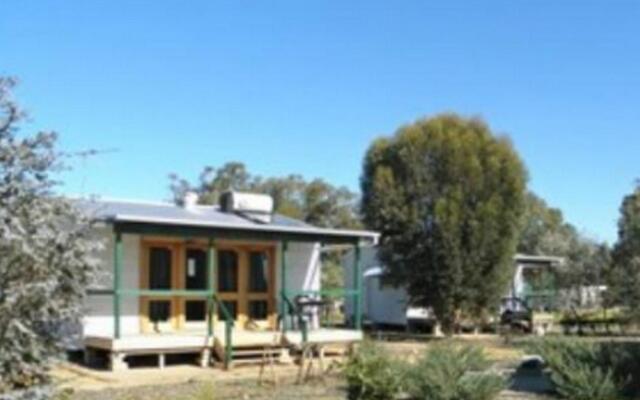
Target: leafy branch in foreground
[(47, 257)]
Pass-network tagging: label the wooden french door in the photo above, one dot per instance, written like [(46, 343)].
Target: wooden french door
[(246, 284), (159, 263)]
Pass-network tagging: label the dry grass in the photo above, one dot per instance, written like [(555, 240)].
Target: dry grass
[(192, 383), (332, 388), (495, 348)]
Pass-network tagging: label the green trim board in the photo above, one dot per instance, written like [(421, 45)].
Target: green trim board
[(228, 331), (290, 308), (165, 293), (325, 293), (283, 284), (211, 268), (117, 282), (357, 287), (192, 232)]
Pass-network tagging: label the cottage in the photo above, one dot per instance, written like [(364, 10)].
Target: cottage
[(222, 281)]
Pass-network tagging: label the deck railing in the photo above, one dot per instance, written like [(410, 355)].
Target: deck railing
[(293, 311), (228, 331), (318, 299), (212, 299)]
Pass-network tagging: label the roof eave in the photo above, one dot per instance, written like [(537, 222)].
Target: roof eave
[(134, 223)]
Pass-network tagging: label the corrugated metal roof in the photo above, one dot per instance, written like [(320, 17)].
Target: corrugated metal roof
[(201, 216)]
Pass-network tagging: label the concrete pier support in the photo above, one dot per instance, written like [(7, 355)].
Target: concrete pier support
[(205, 358), (117, 362)]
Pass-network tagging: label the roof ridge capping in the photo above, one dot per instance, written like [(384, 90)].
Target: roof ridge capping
[(112, 199)]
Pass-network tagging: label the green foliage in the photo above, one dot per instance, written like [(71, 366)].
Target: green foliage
[(333, 272), (575, 370), (315, 202), (47, 256), (372, 374), (591, 371), (448, 197), (443, 372), (545, 232), (624, 280), (449, 372)]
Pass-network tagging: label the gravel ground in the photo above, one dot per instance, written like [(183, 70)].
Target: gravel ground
[(331, 389)]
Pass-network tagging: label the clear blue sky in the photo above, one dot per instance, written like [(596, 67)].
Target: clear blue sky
[(304, 86)]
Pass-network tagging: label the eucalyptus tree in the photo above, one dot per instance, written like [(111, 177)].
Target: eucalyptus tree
[(625, 277), (447, 195)]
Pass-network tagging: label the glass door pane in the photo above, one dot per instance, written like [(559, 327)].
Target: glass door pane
[(159, 268), (258, 299), (196, 270), (258, 272), (227, 271), (158, 312)]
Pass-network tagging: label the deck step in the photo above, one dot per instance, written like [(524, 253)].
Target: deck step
[(245, 361), (253, 354), (240, 352)]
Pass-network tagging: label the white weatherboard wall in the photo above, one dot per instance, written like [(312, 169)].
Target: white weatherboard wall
[(98, 320), (303, 267), (303, 270)]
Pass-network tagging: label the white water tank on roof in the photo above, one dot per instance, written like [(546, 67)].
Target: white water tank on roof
[(252, 205)]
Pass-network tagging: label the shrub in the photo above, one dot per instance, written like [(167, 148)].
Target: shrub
[(372, 374), (450, 372), (624, 359), (590, 371)]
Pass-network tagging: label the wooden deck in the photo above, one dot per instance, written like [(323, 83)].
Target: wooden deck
[(243, 342), (325, 335), (246, 338), (147, 343)]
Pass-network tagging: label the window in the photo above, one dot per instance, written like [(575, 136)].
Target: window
[(227, 271), (258, 309), (196, 270), (195, 310), (258, 270), (159, 268), (159, 311), (231, 306)]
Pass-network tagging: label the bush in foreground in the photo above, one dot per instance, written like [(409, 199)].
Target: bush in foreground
[(449, 372), (372, 374), (591, 371), (443, 372)]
